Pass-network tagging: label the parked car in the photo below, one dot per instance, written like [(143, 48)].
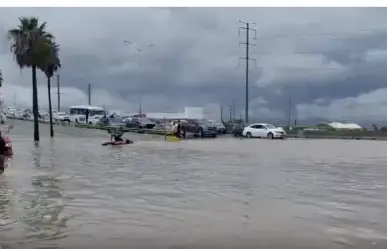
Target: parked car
[(60, 117), (144, 123), (264, 131), (220, 128), (200, 128), (237, 129), (116, 121), (103, 121)]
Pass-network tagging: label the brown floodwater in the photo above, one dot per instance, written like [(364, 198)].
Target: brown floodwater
[(72, 192)]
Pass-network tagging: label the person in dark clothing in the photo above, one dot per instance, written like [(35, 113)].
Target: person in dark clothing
[(182, 132), (178, 129), (117, 135), (3, 150), (87, 116)]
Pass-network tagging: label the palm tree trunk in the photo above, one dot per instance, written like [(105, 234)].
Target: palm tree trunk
[(35, 106), (49, 106)]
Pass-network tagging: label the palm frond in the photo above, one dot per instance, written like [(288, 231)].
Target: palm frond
[(27, 41), (50, 55)]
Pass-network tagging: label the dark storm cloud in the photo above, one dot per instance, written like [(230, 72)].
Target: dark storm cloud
[(310, 54)]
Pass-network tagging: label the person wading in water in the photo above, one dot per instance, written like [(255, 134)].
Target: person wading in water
[(180, 132), (3, 150), (116, 136), (87, 116)]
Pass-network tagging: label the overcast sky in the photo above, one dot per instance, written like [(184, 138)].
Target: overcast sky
[(332, 62)]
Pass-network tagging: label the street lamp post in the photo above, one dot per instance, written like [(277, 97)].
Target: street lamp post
[(132, 44)]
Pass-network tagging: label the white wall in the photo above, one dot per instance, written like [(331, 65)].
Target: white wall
[(349, 126), (211, 112), (193, 112)]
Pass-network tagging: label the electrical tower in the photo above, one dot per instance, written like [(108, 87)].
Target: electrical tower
[(246, 26)]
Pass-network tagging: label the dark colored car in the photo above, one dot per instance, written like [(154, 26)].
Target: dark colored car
[(142, 123), (237, 129), (200, 128), (111, 122)]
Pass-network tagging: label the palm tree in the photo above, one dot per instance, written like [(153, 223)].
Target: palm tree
[(29, 40), (51, 65)]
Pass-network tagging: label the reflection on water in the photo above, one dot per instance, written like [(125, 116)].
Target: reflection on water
[(5, 203), (286, 194)]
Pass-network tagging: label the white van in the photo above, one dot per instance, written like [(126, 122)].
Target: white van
[(78, 113)]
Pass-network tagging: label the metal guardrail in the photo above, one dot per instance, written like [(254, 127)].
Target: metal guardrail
[(165, 131), (155, 131)]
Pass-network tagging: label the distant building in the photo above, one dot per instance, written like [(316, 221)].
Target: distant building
[(347, 126), (189, 113), (207, 112)]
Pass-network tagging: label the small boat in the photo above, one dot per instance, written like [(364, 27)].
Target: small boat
[(114, 143)]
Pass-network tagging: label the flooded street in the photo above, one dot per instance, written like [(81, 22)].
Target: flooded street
[(71, 191)]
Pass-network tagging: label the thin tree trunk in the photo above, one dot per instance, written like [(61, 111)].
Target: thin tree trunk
[(35, 105), (49, 106)]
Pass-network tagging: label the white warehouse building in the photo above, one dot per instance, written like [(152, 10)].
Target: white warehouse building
[(209, 112), (348, 126)]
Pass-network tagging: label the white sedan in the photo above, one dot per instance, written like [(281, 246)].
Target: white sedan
[(264, 131)]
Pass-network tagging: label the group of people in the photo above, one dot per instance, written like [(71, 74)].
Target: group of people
[(116, 134), (179, 130)]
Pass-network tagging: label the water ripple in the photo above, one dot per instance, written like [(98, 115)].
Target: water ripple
[(72, 191)]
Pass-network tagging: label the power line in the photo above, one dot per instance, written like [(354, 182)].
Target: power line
[(345, 67), (363, 117), (332, 33), (246, 26), (371, 53)]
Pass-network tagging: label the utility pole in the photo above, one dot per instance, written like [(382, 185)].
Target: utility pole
[(58, 91), (221, 113), (89, 93), (233, 109), (248, 29), (230, 108), (138, 49), (140, 106), (289, 111)]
